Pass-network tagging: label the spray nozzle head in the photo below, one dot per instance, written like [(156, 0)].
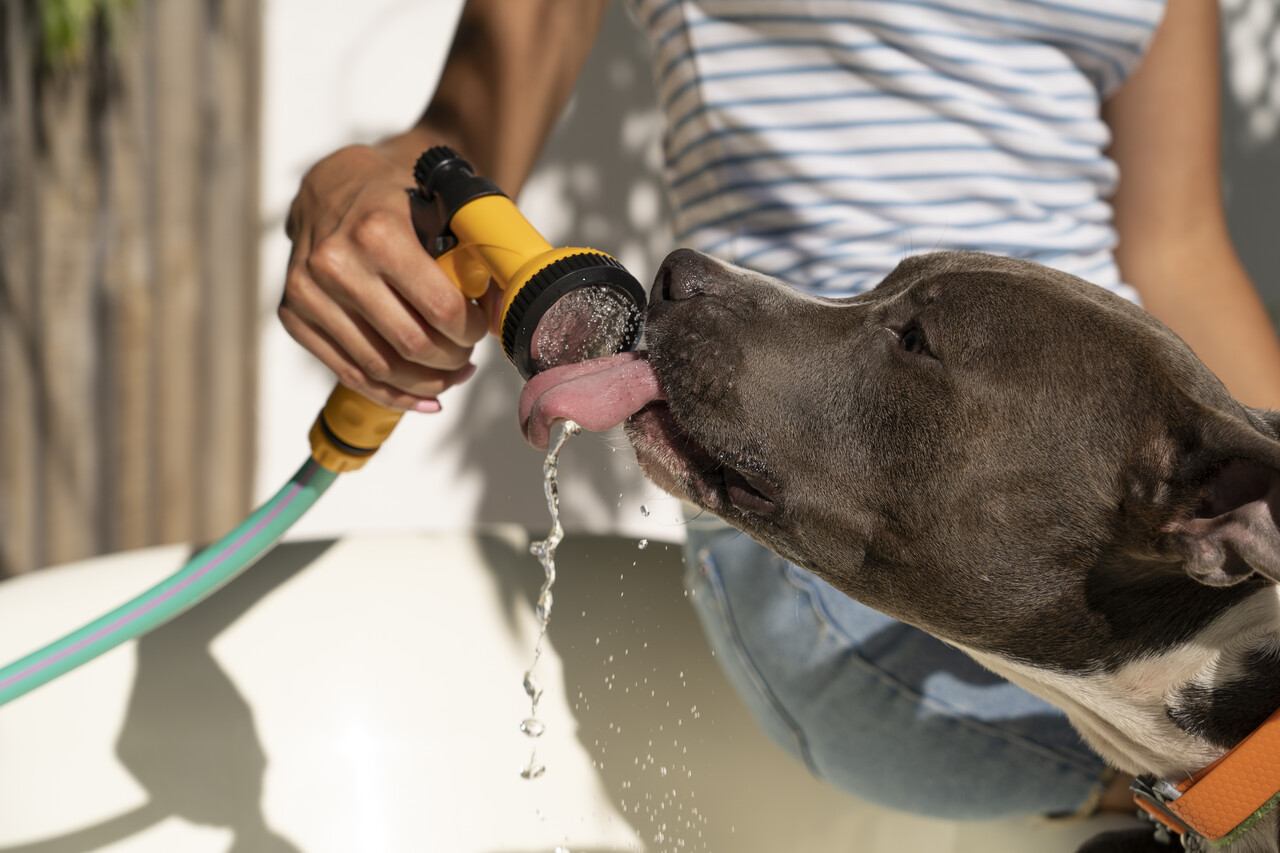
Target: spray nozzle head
[(593, 321), (583, 306)]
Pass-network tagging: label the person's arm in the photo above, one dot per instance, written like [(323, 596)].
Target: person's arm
[(1174, 245), (360, 293)]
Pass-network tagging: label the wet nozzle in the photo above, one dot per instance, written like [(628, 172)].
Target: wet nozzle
[(577, 308), (560, 305)]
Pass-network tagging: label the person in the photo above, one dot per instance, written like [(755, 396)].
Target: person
[(822, 143)]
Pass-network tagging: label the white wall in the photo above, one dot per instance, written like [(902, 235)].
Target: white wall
[(340, 72)]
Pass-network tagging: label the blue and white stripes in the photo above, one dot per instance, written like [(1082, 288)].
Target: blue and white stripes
[(821, 141)]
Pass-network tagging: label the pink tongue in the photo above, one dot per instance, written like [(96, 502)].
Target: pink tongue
[(598, 394)]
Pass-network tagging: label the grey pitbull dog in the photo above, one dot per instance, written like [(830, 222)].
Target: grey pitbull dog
[(1014, 460)]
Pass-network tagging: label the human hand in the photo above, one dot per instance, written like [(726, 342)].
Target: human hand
[(361, 293)]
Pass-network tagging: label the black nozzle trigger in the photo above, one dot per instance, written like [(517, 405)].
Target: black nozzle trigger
[(431, 224), (446, 182)]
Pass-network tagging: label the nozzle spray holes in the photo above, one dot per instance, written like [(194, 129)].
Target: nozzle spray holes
[(590, 322)]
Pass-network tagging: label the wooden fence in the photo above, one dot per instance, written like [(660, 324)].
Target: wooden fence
[(128, 262)]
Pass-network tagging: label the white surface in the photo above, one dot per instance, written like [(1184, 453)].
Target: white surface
[(366, 696)]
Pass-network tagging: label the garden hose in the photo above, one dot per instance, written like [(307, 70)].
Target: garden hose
[(200, 577)]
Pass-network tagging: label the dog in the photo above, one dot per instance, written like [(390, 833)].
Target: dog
[(1017, 461)]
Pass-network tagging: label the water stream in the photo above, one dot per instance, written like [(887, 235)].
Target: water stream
[(545, 551), (670, 826)]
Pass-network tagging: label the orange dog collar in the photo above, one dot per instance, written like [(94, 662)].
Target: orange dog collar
[(1225, 798)]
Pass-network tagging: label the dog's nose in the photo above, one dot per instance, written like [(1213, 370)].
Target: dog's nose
[(683, 275)]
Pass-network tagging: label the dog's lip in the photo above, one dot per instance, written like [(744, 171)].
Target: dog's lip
[(662, 444), (750, 492), (716, 480)]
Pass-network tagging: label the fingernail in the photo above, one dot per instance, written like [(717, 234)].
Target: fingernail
[(427, 407)]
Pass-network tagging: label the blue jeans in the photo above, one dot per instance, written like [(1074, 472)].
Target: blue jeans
[(878, 708)]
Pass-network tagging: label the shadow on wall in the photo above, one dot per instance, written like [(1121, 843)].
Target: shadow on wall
[(1251, 137), (597, 184)]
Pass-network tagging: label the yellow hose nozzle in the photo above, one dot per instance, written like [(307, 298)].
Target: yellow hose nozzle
[(476, 234)]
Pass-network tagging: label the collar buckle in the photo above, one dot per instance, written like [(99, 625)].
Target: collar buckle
[(1153, 797)]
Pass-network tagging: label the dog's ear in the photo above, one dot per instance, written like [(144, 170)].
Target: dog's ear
[(1228, 529)]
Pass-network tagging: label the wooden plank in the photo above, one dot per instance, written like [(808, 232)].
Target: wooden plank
[(129, 436), (67, 248), (251, 56), (229, 263), (20, 537), (174, 35)]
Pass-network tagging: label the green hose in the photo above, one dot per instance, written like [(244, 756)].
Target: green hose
[(200, 577)]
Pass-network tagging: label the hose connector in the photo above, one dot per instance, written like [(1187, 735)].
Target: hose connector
[(349, 430)]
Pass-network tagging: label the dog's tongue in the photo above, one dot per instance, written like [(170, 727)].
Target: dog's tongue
[(598, 394)]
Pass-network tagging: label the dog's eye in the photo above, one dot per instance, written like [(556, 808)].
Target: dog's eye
[(912, 339)]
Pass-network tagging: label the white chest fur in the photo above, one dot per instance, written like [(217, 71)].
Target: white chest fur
[(1122, 713)]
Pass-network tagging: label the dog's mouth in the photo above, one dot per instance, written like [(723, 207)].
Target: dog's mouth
[(679, 462), (606, 392)]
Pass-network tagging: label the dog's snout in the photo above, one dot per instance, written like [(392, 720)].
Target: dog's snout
[(683, 275)]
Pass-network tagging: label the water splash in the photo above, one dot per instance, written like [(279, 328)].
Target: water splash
[(545, 551), (589, 322)]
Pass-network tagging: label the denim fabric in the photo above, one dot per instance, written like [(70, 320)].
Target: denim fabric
[(878, 708)]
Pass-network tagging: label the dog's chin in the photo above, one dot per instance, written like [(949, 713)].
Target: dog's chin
[(678, 463)]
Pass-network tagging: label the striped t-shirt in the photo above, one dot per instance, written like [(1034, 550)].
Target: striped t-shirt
[(821, 141)]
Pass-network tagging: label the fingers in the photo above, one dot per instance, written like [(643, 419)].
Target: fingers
[(362, 294), (353, 280), (374, 371), (388, 243), (491, 307), (394, 359)]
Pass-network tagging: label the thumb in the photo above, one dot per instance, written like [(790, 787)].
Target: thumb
[(491, 302)]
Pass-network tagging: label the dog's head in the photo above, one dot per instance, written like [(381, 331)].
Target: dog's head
[(1002, 454)]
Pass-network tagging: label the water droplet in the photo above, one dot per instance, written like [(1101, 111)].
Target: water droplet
[(531, 686), (642, 544), (585, 323), (543, 608), (533, 727), (644, 510), (533, 771)]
